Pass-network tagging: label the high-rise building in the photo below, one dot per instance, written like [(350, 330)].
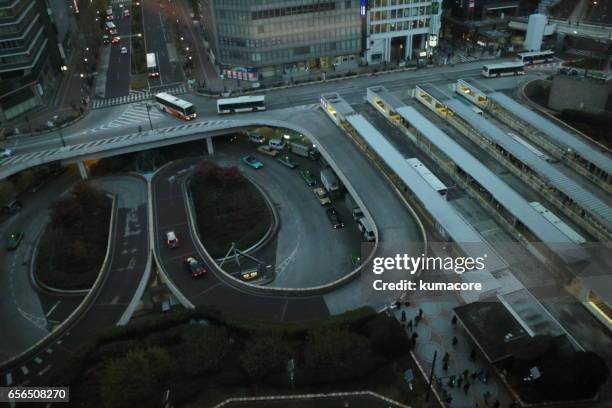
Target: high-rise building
[(399, 30), (483, 9), (253, 39), (29, 56)]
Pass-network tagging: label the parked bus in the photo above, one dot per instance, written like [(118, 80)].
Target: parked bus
[(175, 106), (535, 57), (428, 176), (152, 70), (241, 104), (503, 69)]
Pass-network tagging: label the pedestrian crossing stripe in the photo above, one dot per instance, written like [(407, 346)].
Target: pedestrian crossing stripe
[(137, 96)]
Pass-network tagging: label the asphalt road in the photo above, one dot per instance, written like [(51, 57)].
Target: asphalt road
[(306, 251), (118, 74), (96, 124), (26, 313), (157, 20), (170, 213), (129, 254)]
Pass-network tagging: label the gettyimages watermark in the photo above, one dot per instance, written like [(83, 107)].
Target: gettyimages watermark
[(480, 271)]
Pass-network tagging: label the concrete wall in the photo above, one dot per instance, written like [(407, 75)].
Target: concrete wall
[(578, 93)]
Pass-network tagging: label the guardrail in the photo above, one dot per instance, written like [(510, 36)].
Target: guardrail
[(310, 397), (77, 313)]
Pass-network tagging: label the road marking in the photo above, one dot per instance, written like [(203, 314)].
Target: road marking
[(9, 378), (44, 370), (38, 360), (53, 308), (115, 300), (24, 370), (49, 350)]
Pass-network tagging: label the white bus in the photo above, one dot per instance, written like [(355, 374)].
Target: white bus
[(152, 70), (428, 176), (535, 57), (175, 106), (241, 104), (503, 69)]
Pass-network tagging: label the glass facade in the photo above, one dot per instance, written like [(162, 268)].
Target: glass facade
[(273, 32)]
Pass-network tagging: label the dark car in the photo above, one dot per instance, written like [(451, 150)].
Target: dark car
[(195, 267), (334, 218)]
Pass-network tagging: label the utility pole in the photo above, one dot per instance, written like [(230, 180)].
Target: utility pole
[(431, 374), (149, 115)]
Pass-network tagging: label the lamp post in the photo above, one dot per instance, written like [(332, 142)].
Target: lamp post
[(149, 115)]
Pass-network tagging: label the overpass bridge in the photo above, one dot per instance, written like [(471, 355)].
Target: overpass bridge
[(556, 25)]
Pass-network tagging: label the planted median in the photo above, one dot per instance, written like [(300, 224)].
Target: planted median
[(72, 248), (229, 209)]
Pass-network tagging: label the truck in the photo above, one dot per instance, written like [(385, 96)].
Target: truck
[(304, 150), (330, 182)]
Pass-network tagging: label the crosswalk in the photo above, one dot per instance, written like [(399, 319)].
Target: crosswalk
[(137, 96), (135, 115)]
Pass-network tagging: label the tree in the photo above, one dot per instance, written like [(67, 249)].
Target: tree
[(334, 349), (266, 354), (204, 349), (387, 336), (138, 379)]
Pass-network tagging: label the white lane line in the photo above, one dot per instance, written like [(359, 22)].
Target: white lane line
[(44, 370), (49, 350), (9, 378), (24, 370), (53, 308), (38, 360)]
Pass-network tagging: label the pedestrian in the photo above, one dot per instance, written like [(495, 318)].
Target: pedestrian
[(416, 321), (403, 315), (466, 374), (454, 320), (410, 325), (486, 397), (445, 366), (451, 381), (420, 313), (474, 375), (455, 340), (446, 357), (466, 387), (473, 355), (459, 382), (496, 404)]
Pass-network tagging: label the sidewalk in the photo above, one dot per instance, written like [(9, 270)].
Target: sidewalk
[(69, 103), (435, 334)]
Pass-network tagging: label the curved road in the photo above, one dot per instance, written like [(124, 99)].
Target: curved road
[(128, 257), (398, 229)]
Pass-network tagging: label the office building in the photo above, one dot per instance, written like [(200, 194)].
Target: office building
[(257, 39), (29, 56), (400, 30)]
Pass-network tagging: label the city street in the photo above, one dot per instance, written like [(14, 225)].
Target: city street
[(157, 22), (118, 74)]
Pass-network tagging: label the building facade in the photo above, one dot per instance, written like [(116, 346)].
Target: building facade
[(483, 9), (258, 39), (401, 30), (29, 56)]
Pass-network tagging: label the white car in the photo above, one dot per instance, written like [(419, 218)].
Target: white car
[(6, 152), (124, 50), (276, 144)]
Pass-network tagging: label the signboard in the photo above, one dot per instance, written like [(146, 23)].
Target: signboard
[(240, 72), (471, 4)]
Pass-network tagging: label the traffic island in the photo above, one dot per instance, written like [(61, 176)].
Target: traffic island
[(72, 249), (228, 209)]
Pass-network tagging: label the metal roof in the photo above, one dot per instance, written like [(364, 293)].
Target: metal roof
[(504, 194), (547, 172), (384, 94), (556, 133), (340, 105), (445, 215), (435, 92)]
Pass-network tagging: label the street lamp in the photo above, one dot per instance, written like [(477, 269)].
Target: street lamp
[(149, 115)]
